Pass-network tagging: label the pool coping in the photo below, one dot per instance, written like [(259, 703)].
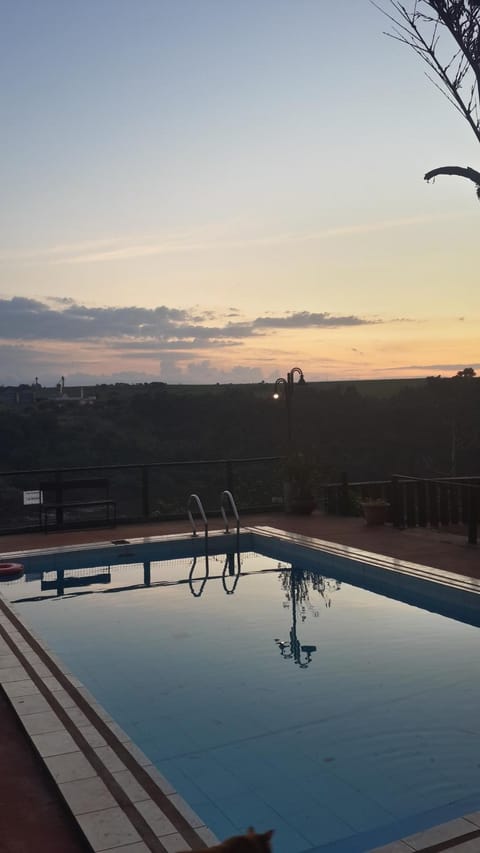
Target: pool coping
[(392, 565), (118, 798)]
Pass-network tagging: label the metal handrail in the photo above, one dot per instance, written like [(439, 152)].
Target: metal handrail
[(173, 464), (203, 580), (196, 500), (227, 497), (230, 565), (439, 481)]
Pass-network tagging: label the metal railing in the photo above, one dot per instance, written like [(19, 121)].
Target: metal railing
[(194, 499), (433, 502), (436, 502), (227, 500), (145, 492)]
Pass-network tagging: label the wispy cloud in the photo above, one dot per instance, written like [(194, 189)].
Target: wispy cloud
[(202, 240), (452, 366)]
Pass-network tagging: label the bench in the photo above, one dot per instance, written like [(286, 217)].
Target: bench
[(55, 499)]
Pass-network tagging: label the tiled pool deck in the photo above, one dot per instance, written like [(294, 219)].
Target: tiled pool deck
[(118, 799)]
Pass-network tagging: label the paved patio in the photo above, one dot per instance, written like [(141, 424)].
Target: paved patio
[(441, 548), (30, 784)]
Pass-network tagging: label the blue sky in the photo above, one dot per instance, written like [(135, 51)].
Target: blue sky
[(255, 166)]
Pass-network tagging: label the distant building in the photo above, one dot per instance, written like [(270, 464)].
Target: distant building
[(80, 399), (26, 395)]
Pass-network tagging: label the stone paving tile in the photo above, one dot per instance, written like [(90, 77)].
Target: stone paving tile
[(156, 819), (118, 732), (20, 688), (207, 836), (32, 704), (472, 846), (108, 829), (46, 721), (474, 817), (13, 673), (165, 786), (54, 743), (52, 683), (110, 759), (174, 843), (129, 784), (438, 834), (396, 847), (93, 737), (78, 717), (42, 671), (132, 848), (69, 767), (185, 810), (64, 699), (87, 795), (137, 754), (7, 661)]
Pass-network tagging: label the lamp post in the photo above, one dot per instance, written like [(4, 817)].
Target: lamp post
[(288, 386), (293, 649)]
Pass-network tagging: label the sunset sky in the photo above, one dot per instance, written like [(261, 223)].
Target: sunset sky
[(218, 190)]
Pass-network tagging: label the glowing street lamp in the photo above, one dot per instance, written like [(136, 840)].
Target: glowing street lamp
[(288, 386)]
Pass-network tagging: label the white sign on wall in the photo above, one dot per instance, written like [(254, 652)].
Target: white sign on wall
[(32, 497)]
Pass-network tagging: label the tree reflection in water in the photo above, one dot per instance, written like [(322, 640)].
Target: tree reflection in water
[(297, 585)]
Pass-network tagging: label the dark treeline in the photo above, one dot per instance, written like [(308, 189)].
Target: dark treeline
[(431, 428)]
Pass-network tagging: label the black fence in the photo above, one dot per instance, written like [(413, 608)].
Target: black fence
[(443, 502), (160, 491), (141, 492), (413, 501)]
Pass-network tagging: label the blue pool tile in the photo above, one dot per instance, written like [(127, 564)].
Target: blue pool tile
[(217, 821), (251, 811), (182, 783), (210, 777), (247, 769)]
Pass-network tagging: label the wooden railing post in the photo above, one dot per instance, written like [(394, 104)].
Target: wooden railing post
[(472, 515), (422, 503), (145, 492), (58, 499), (344, 499), (433, 504), (397, 503), (444, 508), (229, 475)]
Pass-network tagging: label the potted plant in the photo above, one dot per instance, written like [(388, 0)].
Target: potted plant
[(375, 510), (298, 494)]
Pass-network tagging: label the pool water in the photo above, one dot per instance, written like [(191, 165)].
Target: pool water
[(280, 698)]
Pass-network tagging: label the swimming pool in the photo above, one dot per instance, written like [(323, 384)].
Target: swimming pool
[(286, 697)]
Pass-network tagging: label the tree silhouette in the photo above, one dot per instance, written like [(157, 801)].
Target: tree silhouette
[(446, 35), (466, 373)]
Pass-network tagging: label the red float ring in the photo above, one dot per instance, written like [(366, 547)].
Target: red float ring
[(8, 570)]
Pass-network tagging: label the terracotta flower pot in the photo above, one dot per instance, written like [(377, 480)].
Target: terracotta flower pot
[(375, 512)]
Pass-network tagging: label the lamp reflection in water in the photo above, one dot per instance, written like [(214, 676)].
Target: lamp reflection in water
[(288, 386), (296, 583)]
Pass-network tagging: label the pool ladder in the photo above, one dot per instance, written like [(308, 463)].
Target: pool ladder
[(227, 501), (194, 499)]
